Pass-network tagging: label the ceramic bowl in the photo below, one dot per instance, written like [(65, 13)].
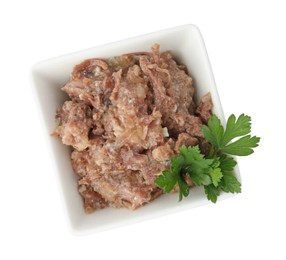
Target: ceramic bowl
[(47, 77)]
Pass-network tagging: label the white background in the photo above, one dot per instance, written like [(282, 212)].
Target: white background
[(246, 42)]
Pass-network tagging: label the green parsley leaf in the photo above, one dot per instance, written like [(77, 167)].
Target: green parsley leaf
[(229, 183), (212, 192), (216, 175), (177, 162), (200, 178), (235, 129), (167, 180), (220, 139), (214, 132), (199, 167), (184, 189), (242, 146), (227, 163), (170, 178)]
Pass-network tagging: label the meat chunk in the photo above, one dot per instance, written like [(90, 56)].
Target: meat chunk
[(91, 68), (123, 62), (193, 126), (92, 199), (75, 121), (185, 139), (172, 92), (130, 122), (116, 175), (91, 82), (124, 190), (204, 108), (133, 160), (204, 145), (163, 152)]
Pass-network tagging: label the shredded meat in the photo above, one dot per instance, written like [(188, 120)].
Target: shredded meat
[(92, 199), (74, 124), (185, 139), (204, 108), (126, 117), (164, 152)]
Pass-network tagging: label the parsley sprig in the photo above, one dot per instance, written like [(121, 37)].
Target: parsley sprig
[(215, 171)]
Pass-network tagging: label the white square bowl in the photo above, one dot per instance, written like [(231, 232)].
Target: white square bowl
[(49, 76)]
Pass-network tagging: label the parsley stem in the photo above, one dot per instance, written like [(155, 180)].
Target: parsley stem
[(184, 170)]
